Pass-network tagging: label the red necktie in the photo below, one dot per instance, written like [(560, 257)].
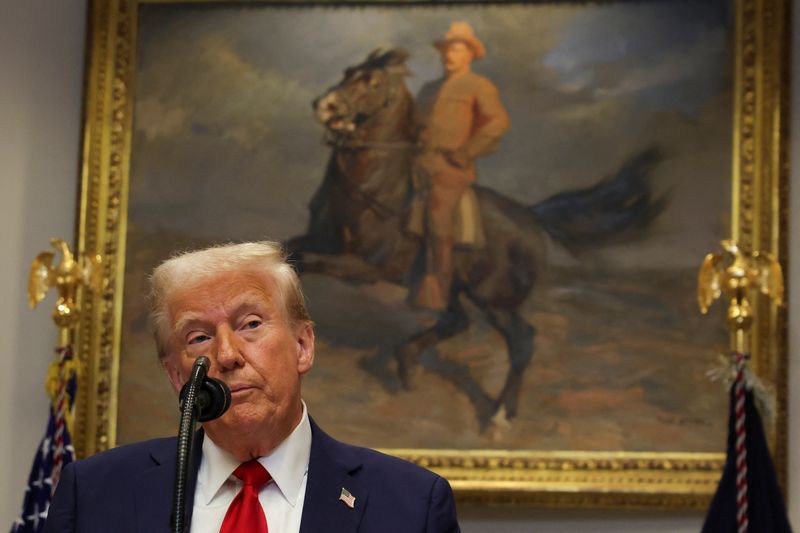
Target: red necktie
[(245, 514)]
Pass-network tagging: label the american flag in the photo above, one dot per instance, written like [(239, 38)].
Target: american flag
[(55, 451), (348, 499)]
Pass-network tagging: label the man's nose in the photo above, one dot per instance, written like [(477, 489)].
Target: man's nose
[(227, 354)]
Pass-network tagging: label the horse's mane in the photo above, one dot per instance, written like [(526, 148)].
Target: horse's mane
[(393, 60)]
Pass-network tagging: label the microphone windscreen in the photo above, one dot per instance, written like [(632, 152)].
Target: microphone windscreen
[(213, 399)]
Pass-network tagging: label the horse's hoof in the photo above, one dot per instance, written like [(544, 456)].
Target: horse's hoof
[(486, 409), (501, 418), (511, 411)]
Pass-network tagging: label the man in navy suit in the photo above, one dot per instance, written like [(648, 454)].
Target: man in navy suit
[(265, 465)]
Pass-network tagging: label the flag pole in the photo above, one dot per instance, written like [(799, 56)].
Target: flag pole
[(55, 450), (738, 274)]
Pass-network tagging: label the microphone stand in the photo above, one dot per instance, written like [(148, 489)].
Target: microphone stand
[(202, 398)]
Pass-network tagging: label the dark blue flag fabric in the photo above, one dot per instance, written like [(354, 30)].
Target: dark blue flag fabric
[(766, 510), (55, 450)]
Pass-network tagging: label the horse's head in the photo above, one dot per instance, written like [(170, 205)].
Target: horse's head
[(365, 91)]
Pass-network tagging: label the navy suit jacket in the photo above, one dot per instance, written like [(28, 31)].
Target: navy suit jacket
[(129, 489)]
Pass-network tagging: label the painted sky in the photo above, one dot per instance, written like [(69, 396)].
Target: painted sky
[(226, 147)]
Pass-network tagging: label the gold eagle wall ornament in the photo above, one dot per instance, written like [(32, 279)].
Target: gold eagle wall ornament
[(737, 273), (65, 277)]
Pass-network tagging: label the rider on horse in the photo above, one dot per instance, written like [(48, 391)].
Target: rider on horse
[(462, 119)]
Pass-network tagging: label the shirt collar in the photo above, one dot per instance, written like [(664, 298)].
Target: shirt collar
[(287, 464)]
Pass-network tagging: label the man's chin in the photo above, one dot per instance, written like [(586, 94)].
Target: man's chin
[(240, 417)]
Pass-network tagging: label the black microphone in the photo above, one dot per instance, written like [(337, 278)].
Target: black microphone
[(201, 398), (213, 397)]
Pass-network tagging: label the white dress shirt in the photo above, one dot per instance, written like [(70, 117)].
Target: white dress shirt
[(282, 498)]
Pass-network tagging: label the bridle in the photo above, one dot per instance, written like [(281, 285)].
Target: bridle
[(348, 139), (344, 143)]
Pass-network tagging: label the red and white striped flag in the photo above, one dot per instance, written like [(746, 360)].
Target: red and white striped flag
[(347, 498)]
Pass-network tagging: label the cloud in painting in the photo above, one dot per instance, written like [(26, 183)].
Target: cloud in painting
[(645, 50), (228, 97), (223, 102)]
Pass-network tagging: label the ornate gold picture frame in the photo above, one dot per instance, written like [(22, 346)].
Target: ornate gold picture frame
[(619, 478)]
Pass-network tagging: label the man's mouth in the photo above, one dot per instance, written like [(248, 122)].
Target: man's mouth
[(240, 388)]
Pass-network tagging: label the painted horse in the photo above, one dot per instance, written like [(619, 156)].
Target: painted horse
[(360, 219)]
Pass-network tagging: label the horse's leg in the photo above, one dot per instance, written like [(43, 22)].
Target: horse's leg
[(518, 334), (452, 321)]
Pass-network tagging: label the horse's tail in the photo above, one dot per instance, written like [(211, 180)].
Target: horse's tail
[(617, 208)]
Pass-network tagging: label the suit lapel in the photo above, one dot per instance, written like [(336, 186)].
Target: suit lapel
[(153, 488), (332, 467)]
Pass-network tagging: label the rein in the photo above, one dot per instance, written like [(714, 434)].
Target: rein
[(354, 190), (374, 145), (349, 143)]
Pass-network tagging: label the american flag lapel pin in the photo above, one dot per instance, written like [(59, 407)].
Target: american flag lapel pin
[(348, 499)]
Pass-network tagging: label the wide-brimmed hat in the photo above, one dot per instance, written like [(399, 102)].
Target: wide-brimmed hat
[(462, 31)]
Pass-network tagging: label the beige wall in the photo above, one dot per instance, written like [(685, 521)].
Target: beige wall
[(41, 52)]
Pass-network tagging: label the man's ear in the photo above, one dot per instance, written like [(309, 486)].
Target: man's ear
[(305, 347), (173, 373)]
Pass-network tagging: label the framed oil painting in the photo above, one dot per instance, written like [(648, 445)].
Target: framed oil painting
[(569, 364)]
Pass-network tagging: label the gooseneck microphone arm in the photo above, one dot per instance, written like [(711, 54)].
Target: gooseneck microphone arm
[(202, 398), (185, 441)]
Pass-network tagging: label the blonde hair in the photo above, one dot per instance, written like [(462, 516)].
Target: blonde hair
[(189, 268)]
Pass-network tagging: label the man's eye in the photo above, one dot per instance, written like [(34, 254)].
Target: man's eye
[(252, 324), (197, 339)]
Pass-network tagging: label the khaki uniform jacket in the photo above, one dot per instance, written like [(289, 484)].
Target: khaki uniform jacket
[(453, 111)]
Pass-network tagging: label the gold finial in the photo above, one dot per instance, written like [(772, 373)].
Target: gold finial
[(737, 273), (66, 277)]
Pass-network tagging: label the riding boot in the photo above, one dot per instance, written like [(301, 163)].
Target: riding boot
[(443, 251), (434, 288)]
